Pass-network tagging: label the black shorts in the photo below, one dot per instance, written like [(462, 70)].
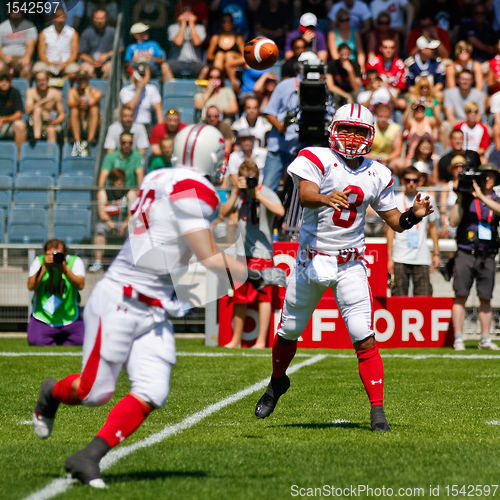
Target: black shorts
[(470, 267)]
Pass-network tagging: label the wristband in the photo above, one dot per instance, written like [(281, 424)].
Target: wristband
[(408, 219)]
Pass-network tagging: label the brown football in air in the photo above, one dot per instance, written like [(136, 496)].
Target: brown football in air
[(260, 53)]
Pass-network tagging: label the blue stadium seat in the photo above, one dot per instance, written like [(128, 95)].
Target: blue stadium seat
[(78, 166), (22, 85), (8, 158), (39, 166), (27, 225), (188, 115), (41, 149), (178, 101), (72, 225), (77, 198), (2, 225), (184, 86), (157, 83), (100, 84), (68, 148), (5, 192), (32, 198)]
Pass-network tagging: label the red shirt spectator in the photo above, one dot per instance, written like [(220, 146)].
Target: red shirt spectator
[(390, 68), (170, 127), (476, 135)]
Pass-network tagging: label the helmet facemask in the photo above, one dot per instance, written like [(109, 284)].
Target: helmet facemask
[(348, 145)]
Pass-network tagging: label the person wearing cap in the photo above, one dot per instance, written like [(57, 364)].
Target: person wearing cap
[(248, 150), (359, 12), (58, 47), (408, 257), (83, 105), (12, 125), (428, 28), (425, 63), (456, 98), (252, 120), (142, 96), (168, 128), (449, 196), (18, 38), (148, 52), (476, 135), (96, 46), (476, 216), (377, 91), (314, 38)]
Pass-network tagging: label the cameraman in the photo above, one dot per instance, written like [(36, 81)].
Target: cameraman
[(476, 213), (56, 279), (256, 205)]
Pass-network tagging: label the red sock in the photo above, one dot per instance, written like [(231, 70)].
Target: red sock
[(371, 371), (282, 356), (63, 392), (123, 420)]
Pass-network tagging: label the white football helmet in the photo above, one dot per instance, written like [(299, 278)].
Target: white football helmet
[(200, 147), (348, 145)]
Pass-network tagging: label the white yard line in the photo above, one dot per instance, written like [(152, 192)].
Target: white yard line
[(60, 485)]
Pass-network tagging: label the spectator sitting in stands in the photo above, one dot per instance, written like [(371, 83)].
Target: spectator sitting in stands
[(216, 94), (418, 126), (83, 105), (343, 77), (17, 44), (58, 47), (168, 128), (455, 98), (96, 46), (264, 87), (271, 21), (46, 109), (359, 12), (425, 63), (402, 13), (381, 32), (186, 37), (463, 60), (113, 209), (424, 160), (248, 150), (127, 159), (199, 8), (493, 78), (147, 52), (126, 124), (164, 159), (344, 34), (56, 279), (150, 12), (251, 120), (432, 31), (142, 96), (314, 39), (476, 135), (377, 91), (388, 142), (290, 66), (110, 6), (12, 125), (225, 51), (214, 118)]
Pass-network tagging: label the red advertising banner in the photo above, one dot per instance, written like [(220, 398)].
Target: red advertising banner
[(397, 321)]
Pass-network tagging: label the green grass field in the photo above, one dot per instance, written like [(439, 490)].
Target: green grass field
[(444, 412)]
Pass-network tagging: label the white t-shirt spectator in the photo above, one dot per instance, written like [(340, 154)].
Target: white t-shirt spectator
[(13, 41), (259, 130), (359, 13), (145, 107), (236, 158), (78, 267), (187, 51), (112, 141)]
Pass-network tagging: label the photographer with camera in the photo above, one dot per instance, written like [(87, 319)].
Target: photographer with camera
[(476, 214), (256, 206), (56, 278)]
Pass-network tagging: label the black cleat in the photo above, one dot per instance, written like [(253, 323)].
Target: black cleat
[(276, 388), (378, 420), (45, 409), (84, 464)]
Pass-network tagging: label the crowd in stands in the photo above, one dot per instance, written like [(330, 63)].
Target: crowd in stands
[(428, 70)]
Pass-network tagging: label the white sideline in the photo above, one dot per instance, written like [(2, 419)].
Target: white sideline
[(60, 485)]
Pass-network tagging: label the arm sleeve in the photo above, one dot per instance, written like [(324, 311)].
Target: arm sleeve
[(142, 137), (18, 102), (307, 166), (129, 52), (35, 266), (385, 200), (156, 134), (155, 95), (78, 267), (107, 164), (485, 138)]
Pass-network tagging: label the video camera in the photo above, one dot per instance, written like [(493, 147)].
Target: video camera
[(469, 173)]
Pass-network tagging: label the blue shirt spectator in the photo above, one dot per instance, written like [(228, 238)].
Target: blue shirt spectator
[(315, 40)]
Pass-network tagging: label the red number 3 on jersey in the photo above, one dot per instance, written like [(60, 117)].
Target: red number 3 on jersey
[(352, 210)]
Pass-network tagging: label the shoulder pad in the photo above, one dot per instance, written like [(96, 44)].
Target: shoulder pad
[(409, 61)]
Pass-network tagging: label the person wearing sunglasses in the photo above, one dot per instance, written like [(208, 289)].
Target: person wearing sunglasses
[(408, 257), (381, 30)]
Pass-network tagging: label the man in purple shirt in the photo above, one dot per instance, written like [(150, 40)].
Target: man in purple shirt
[(315, 40)]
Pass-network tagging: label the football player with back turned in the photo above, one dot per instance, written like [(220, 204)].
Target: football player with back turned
[(336, 185)]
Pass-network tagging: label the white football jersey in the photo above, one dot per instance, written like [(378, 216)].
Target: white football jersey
[(332, 231), (171, 203)]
